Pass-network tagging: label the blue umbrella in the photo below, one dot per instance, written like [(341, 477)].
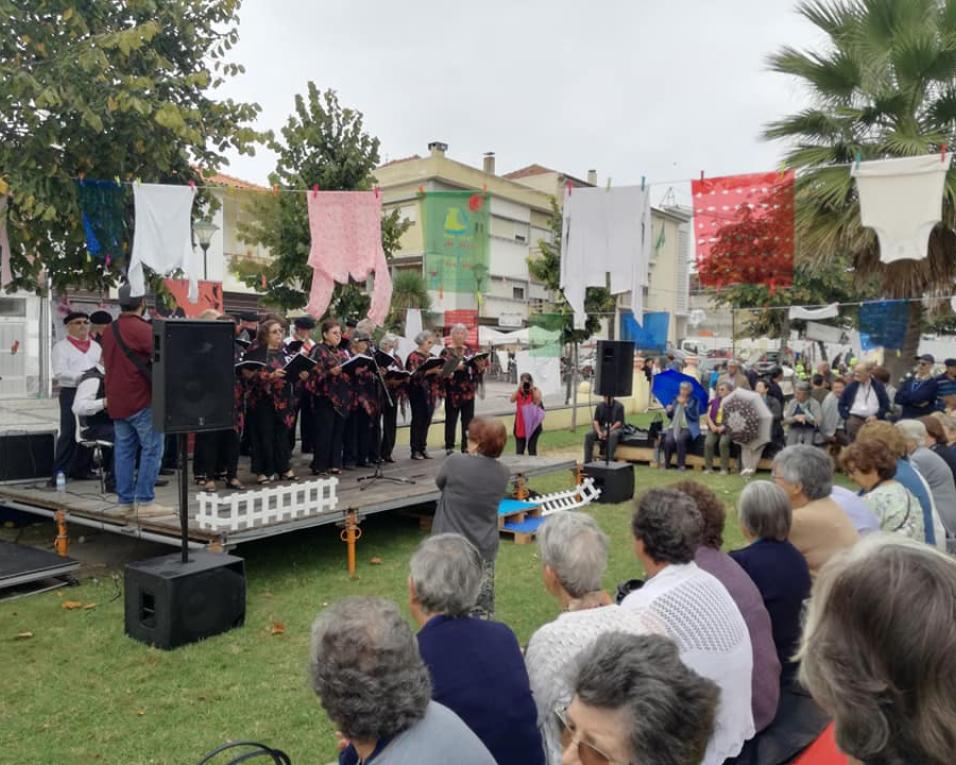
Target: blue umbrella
[(667, 384)]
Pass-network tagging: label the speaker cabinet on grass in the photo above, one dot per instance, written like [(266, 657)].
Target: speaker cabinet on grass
[(170, 603), (614, 479), (614, 368), (193, 375)]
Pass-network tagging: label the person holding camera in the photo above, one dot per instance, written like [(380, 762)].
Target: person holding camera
[(527, 395)]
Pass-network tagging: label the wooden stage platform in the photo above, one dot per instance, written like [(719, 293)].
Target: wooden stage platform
[(85, 505)]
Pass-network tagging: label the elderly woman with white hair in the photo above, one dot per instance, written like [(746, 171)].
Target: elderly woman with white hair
[(879, 651), (476, 666), (934, 469), (777, 567), (372, 683), (803, 416), (460, 387), (573, 552), (398, 393), (424, 390), (684, 415)]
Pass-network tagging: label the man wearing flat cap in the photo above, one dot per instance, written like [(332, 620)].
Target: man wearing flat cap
[(946, 387), (72, 357), (99, 320), (917, 395)]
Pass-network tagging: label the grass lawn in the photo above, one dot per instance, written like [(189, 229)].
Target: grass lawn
[(79, 691)]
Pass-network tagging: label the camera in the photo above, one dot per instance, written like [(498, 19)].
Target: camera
[(526, 387)]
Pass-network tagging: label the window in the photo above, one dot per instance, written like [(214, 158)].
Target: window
[(13, 307), (517, 293)]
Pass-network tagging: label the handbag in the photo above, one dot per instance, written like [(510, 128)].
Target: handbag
[(277, 756)]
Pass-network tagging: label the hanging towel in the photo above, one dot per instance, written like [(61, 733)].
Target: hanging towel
[(346, 231), (883, 324), (814, 314), (162, 238), (6, 274), (104, 224), (605, 231), (902, 200)]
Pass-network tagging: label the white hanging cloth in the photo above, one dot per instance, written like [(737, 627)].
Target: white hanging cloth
[(6, 274), (162, 237), (902, 200), (605, 231), (814, 314)]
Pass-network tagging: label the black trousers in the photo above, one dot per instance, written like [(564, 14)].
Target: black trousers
[(531, 443), (467, 413), (303, 421), (270, 441), (102, 432), (69, 457), (327, 436), (389, 428), (360, 447), (422, 412), (216, 451)]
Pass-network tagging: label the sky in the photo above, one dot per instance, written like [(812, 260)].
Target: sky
[(663, 89)]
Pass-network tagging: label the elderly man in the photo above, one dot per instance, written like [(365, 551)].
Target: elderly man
[(695, 610), (946, 387), (802, 417), (832, 426), (823, 369), (99, 321), (864, 400), (735, 376), (820, 528), (476, 666), (72, 357), (635, 701), (372, 683), (917, 395), (573, 552), (934, 469)]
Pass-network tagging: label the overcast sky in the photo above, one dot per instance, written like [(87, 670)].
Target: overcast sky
[(662, 88)]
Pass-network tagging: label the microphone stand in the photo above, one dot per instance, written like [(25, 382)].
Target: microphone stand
[(378, 475)]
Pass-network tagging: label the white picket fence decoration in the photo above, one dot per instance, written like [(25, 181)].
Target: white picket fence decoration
[(259, 507), (571, 499)]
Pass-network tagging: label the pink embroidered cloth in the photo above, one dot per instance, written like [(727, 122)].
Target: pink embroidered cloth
[(346, 231), (6, 275)]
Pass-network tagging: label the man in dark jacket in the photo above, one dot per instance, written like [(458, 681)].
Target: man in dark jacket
[(864, 400), (917, 394)]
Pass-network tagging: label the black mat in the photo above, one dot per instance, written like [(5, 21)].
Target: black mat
[(20, 564)]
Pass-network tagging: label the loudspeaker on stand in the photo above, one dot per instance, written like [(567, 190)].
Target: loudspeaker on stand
[(614, 368)]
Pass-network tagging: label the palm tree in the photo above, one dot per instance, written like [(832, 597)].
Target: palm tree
[(885, 87), (408, 291)]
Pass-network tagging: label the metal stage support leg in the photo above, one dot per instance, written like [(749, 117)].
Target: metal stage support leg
[(350, 534)]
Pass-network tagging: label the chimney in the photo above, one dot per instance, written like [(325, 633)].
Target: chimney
[(488, 165), (592, 177), (437, 148)]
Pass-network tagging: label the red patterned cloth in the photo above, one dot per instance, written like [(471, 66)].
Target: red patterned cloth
[(743, 228), (464, 316)]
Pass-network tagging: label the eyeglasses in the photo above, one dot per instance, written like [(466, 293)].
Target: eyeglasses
[(79, 322), (588, 754)]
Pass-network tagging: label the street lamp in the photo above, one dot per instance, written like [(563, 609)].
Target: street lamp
[(204, 231)]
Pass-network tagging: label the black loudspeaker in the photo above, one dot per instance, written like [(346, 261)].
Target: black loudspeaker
[(614, 479), (193, 375), (170, 603), (26, 455), (614, 368)]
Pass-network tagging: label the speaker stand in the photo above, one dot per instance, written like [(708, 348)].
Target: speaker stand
[(378, 475), (184, 495)]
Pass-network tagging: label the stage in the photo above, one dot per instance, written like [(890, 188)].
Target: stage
[(85, 505)]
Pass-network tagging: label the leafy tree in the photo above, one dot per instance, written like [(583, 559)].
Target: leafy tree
[(322, 145), (108, 90), (884, 87), (546, 268)]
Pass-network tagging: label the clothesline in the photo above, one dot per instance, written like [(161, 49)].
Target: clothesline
[(276, 189), (851, 303)]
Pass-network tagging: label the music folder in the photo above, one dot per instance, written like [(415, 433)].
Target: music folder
[(357, 362), (297, 363)]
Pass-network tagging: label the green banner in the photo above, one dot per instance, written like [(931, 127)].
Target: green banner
[(456, 225), (544, 334)]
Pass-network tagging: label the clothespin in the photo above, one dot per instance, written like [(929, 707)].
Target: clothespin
[(107, 260), (118, 182), (942, 153), (265, 284), (275, 191), (315, 190), (378, 192), (642, 183), (702, 175), (607, 186), (859, 156), (568, 186), (421, 188), (192, 184)]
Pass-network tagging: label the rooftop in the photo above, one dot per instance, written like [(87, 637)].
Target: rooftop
[(524, 172), (221, 179)]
